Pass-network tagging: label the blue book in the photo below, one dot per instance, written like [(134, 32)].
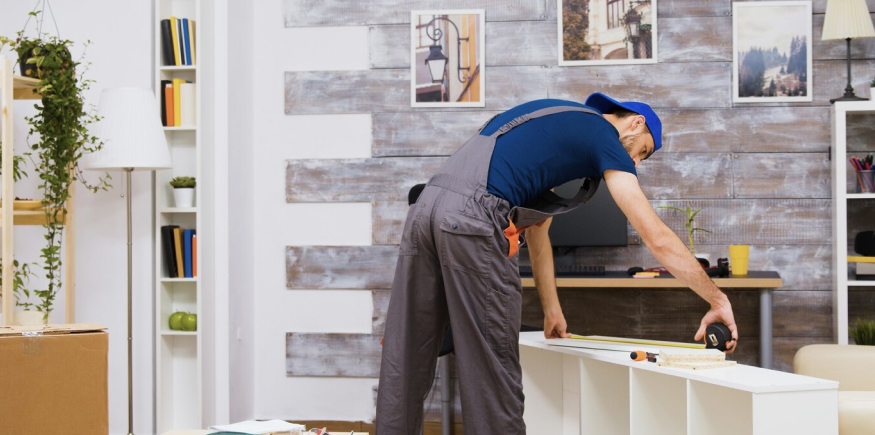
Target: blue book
[(180, 41), (186, 236), (187, 38)]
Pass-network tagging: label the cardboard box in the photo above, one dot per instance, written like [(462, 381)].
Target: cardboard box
[(53, 380)]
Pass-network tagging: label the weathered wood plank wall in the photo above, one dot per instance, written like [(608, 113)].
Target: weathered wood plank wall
[(761, 171)]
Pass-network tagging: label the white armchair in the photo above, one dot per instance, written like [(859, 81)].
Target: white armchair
[(854, 369)]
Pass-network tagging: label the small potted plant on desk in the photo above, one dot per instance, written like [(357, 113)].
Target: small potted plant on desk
[(690, 215), (183, 191), (872, 90)]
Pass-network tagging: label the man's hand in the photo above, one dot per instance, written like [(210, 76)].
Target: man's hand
[(554, 325), (720, 314)]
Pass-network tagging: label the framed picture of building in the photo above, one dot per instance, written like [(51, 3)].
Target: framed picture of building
[(771, 51), (447, 58), (606, 32)]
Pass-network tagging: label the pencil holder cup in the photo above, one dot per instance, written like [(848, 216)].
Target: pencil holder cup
[(866, 181)]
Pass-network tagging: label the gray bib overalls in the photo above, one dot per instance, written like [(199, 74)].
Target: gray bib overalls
[(457, 266)]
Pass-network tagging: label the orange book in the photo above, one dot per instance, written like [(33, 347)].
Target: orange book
[(194, 254), (168, 105), (177, 239)]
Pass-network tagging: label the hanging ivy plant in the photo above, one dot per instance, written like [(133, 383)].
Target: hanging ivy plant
[(58, 138)]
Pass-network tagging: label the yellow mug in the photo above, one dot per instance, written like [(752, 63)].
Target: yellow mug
[(738, 257)]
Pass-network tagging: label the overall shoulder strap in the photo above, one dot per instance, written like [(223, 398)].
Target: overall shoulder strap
[(537, 114)]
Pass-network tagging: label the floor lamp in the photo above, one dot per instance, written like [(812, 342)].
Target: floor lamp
[(847, 19), (130, 128)]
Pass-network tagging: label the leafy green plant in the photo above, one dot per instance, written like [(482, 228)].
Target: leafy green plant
[(182, 182), (872, 83), (60, 129), (17, 171), (863, 332), (21, 274), (690, 215)]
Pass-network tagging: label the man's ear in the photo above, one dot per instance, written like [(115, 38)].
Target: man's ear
[(640, 122)]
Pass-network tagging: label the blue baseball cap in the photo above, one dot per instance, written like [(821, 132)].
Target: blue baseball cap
[(606, 104)]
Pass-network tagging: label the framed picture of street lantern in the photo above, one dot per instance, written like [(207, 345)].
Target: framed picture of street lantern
[(771, 51), (446, 58), (606, 32)]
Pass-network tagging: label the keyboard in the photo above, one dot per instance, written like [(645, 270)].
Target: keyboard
[(569, 271)]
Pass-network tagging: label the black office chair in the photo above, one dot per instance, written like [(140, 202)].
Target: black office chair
[(448, 347)]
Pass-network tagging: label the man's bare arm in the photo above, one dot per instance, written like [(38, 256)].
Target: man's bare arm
[(541, 254), (668, 248)]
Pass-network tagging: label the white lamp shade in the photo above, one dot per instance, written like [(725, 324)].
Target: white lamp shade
[(847, 19), (130, 128)]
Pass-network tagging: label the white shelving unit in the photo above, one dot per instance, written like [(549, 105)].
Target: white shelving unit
[(582, 391), (179, 354), (841, 198)]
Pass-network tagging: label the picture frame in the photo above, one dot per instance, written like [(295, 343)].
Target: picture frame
[(771, 52), (607, 32), (447, 58)]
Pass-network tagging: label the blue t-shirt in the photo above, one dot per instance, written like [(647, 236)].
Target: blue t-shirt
[(552, 150)]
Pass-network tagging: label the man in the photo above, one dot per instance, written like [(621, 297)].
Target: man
[(458, 265)]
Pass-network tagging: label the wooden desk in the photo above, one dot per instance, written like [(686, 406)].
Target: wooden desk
[(764, 281)]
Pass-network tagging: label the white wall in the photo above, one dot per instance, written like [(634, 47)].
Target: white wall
[(241, 214), (121, 55), (278, 137)]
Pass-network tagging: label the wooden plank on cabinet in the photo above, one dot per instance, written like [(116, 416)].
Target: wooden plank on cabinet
[(424, 133), (390, 178), (388, 220), (340, 267), (340, 355), (751, 221), (381, 307), (802, 267), (838, 49), (357, 180), (802, 314), (831, 78), (300, 13), (669, 175), (746, 129), (860, 130), (695, 39), (781, 175), (388, 90), (334, 92), (703, 84)]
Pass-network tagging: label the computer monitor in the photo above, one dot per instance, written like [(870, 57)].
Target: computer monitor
[(599, 222)]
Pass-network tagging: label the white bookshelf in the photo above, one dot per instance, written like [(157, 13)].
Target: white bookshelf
[(842, 281), (179, 354), (583, 391)]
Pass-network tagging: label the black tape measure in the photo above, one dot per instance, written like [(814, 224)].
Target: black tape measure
[(717, 336)]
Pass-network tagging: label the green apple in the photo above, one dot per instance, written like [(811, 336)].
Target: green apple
[(189, 322), (176, 320)]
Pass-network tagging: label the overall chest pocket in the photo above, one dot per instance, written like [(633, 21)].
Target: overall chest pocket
[(467, 243)]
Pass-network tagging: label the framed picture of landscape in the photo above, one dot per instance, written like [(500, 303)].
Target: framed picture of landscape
[(771, 51)]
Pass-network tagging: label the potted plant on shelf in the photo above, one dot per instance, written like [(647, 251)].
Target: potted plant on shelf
[(690, 216), (29, 314), (58, 138), (183, 191), (872, 90), (863, 332)]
